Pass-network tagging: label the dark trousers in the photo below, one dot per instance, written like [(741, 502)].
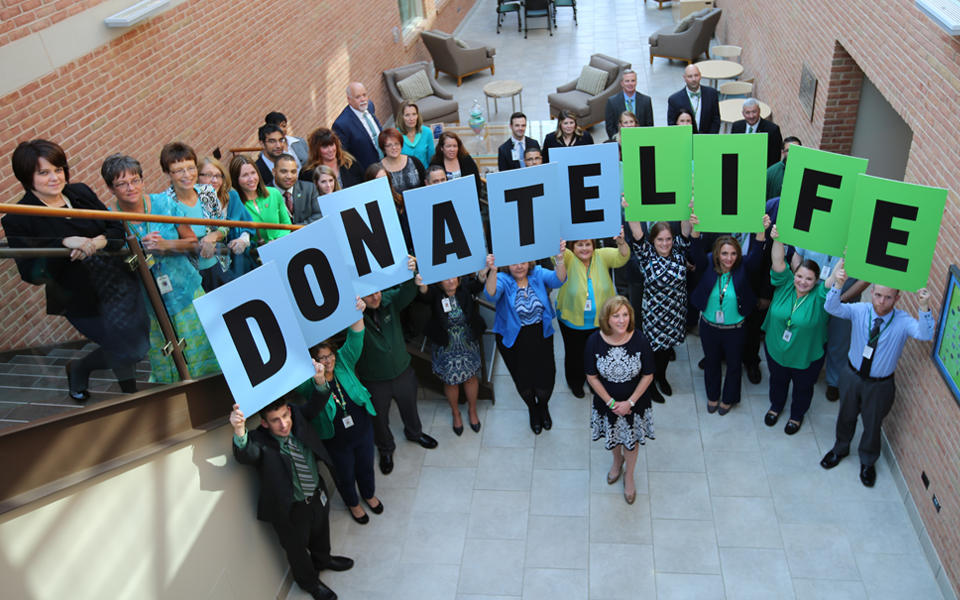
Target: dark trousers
[(803, 381), (531, 363), (871, 400), (753, 326), (98, 360), (574, 346), (719, 344), (661, 360), (404, 389), (353, 462), (305, 537)]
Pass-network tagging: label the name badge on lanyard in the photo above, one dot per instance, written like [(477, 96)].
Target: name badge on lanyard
[(868, 352), (718, 317), (787, 335), (347, 422), (446, 304), (164, 284), (588, 306)]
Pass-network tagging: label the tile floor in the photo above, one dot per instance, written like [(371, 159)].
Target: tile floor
[(726, 507)]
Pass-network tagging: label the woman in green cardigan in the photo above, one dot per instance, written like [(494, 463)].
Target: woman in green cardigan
[(587, 287), (265, 204), (796, 332), (346, 422)]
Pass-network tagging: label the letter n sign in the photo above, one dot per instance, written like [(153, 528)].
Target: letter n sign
[(893, 232)]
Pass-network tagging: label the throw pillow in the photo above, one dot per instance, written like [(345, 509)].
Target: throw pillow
[(592, 80), (685, 23), (415, 87)]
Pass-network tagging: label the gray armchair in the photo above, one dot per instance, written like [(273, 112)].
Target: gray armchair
[(456, 61), (688, 45), (437, 108), (589, 110)]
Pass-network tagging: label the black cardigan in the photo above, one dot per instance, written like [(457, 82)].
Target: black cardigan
[(436, 328), (68, 284)]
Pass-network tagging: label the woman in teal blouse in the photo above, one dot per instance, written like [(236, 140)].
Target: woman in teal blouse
[(417, 137), (265, 204), (796, 332), (346, 421)]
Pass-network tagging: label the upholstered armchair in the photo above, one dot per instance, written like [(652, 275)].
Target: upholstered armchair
[(436, 107), (589, 108), (689, 39), (457, 58)]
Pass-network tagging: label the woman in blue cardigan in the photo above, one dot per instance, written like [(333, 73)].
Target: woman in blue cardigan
[(524, 328), (724, 298)]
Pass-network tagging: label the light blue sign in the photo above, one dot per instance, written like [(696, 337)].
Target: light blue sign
[(253, 330), (446, 228), (592, 176), (526, 213), (317, 277), (369, 235)]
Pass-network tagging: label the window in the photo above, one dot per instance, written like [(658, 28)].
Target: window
[(411, 13)]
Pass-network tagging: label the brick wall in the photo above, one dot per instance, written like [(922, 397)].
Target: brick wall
[(204, 72), (916, 66)]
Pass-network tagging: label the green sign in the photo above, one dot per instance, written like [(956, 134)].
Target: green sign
[(657, 172), (893, 231), (730, 183), (817, 198)]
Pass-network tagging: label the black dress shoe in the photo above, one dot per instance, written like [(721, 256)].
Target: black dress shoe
[(425, 440), (792, 426), (831, 459), (868, 475), (545, 419), (712, 408), (655, 395), (378, 509), (80, 397), (535, 426), (577, 392), (722, 411), (833, 393), (337, 563), (770, 419), (475, 427), (322, 592), (458, 430), (664, 386), (363, 520), (386, 462), (753, 373), (702, 362)]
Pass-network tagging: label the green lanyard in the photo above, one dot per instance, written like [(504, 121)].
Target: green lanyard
[(339, 397), (796, 305), (882, 329)]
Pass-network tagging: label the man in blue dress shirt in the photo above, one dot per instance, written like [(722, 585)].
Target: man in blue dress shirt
[(867, 388)]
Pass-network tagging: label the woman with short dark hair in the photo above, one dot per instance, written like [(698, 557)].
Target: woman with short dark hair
[(406, 172), (454, 158), (619, 366), (98, 294)]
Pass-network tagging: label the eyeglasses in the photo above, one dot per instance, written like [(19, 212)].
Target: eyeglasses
[(325, 357), (391, 145), (126, 185), (216, 175), (182, 172)]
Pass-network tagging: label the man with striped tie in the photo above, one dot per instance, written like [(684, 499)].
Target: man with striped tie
[(285, 449), (867, 387)]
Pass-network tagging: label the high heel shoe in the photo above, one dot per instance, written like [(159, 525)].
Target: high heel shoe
[(475, 427), (363, 519), (613, 480), (378, 509)]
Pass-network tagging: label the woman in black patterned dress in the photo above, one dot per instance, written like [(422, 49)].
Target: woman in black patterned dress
[(619, 366), (663, 263)]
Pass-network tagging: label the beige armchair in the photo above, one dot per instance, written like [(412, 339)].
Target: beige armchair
[(687, 44), (457, 58), (589, 110), (440, 107)]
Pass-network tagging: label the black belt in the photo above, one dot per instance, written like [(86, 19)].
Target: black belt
[(737, 325), (314, 498), (864, 377)]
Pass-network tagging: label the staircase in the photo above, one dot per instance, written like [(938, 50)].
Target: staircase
[(34, 385)]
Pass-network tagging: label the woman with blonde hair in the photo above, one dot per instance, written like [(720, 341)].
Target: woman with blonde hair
[(214, 174), (619, 365)]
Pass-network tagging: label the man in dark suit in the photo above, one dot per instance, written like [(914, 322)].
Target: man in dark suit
[(510, 153), (299, 196), (701, 100), (752, 123), (274, 145), (357, 126), (637, 103), (296, 146), (285, 449)]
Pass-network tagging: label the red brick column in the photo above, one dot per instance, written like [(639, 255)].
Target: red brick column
[(843, 100)]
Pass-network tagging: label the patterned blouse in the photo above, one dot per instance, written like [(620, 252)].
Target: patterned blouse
[(528, 306)]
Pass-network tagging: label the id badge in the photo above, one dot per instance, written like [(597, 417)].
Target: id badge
[(825, 273), (515, 154), (868, 352), (588, 306), (718, 317), (446, 304), (347, 422), (164, 284), (787, 334), (323, 498)]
